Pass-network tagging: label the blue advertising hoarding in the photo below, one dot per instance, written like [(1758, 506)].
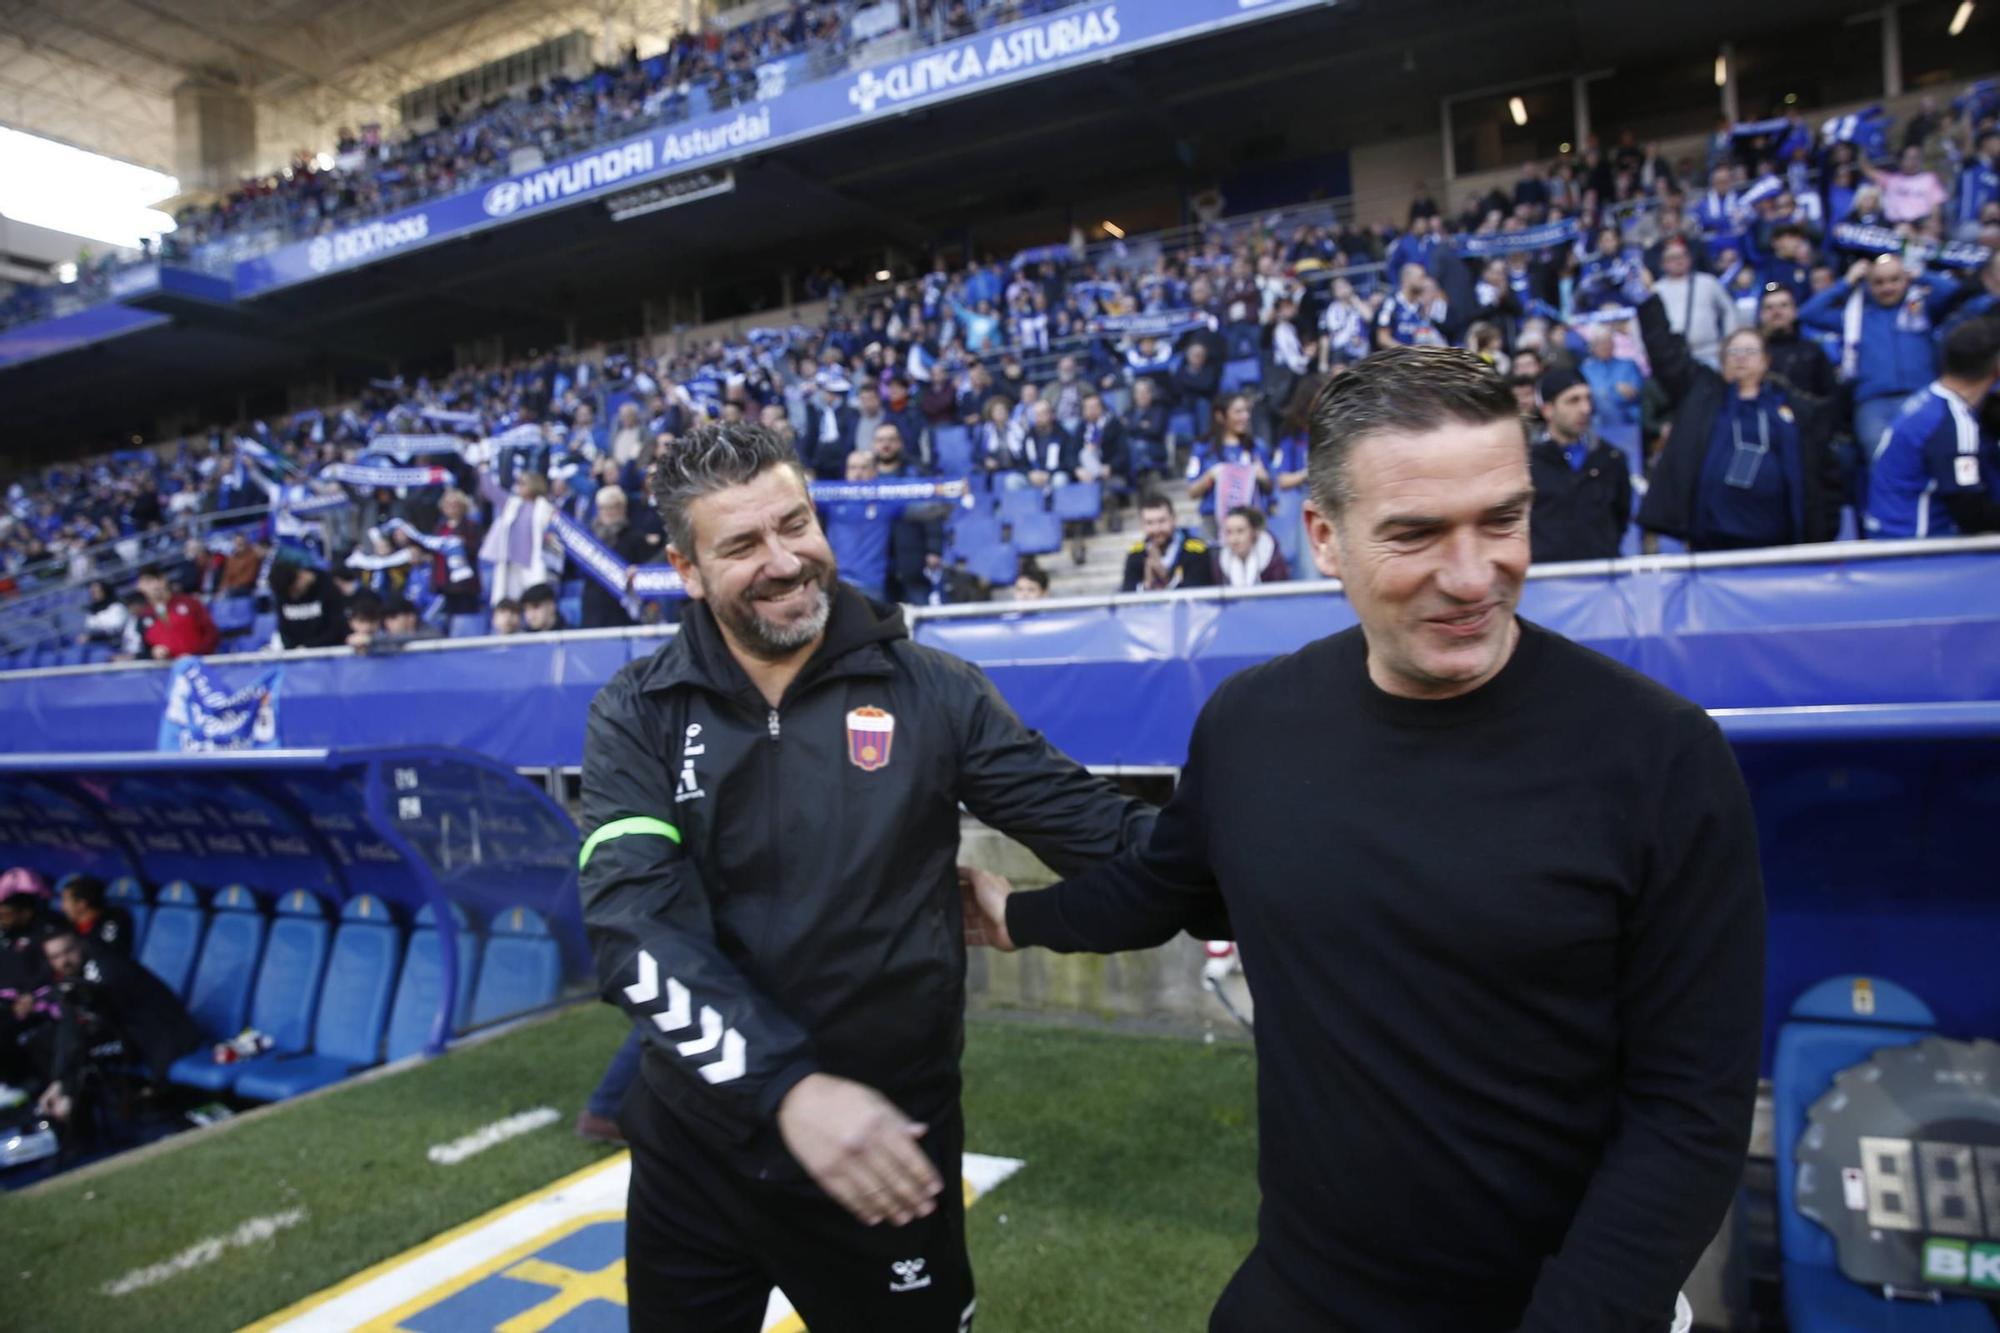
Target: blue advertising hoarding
[(1026, 50)]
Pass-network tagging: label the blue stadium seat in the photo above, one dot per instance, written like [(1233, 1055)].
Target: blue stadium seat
[(72, 655), (353, 1008), (1037, 534), (951, 446), (287, 991), (129, 894), (263, 628), (570, 604), (1079, 501), (1831, 1028), (471, 625), (973, 531), (1180, 426), (173, 940), (1243, 373), (996, 564), (421, 986), (219, 996), (95, 654), (522, 969), (1288, 527), (1022, 500), (233, 615)]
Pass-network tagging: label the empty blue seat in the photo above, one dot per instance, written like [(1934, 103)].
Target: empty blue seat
[(470, 626), (973, 531), (1037, 533), (219, 996), (173, 939), (72, 655), (129, 894), (233, 614), (263, 629), (1241, 373), (570, 605), (1079, 501), (522, 969), (1022, 500), (951, 446), (421, 986), (997, 564), (286, 995), (95, 654), (1181, 425), (353, 1008), (1838, 1023), (1288, 527)]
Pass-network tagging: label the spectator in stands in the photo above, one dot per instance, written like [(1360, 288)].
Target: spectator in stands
[(1697, 307), (522, 547), (1936, 470), (540, 613), (312, 613), (402, 624), (868, 416), (830, 426), (1166, 555), (939, 402), (106, 924), (1233, 467), (180, 626), (1249, 554), (1887, 351), (1101, 444), (1031, 583), (1911, 193), (602, 608), (105, 616), (1614, 382), (1345, 325), (1409, 318), (506, 617), (628, 435), (1797, 361), (1145, 435), (1747, 462), (1979, 297), (364, 619), (1978, 185), (241, 567), (1050, 450), (454, 572), (1583, 486), (1195, 384), (197, 570)]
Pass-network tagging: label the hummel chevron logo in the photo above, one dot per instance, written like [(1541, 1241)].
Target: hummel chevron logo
[(679, 1015)]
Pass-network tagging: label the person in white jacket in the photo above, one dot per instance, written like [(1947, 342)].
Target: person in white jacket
[(523, 550)]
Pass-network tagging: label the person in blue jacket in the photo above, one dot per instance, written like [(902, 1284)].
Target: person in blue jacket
[(1747, 462), (1937, 470), (1887, 350)]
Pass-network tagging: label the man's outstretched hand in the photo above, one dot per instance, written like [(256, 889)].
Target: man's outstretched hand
[(984, 895), (860, 1149)]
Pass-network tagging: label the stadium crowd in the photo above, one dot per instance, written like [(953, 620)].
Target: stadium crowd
[(1715, 339)]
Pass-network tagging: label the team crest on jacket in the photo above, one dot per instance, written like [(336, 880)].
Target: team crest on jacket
[(869, 734)]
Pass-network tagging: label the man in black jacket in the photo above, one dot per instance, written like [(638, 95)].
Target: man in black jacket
[(1583, 486), (771, 805), (109, 1009), (1497, 896), (603, 608), (1797, 361), (311, 611)]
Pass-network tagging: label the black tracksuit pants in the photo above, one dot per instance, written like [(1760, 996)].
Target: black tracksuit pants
[(705, 1245)]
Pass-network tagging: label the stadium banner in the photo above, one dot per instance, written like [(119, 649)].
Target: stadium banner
[(1032, 48), (201, 717), (1543, 237), (1857, 239), (366, 474), (403, 448)]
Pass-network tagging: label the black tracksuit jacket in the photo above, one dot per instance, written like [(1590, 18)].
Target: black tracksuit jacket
[(804, 913)]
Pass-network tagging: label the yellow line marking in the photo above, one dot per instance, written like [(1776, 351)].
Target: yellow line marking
[(397, 1260)]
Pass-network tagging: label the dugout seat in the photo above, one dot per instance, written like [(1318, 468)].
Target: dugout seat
[(173, 939), (218, 997), (129, 894), (522, 969), (1829, 1030), (421, 986), (287, 992), (353, 1008)]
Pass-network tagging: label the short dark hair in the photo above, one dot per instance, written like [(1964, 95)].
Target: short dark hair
[(1254, 517), (364, 605), (1402, 389), (1034, 573), (712, 457), (539, 595), (89, 890), (508, 604), (398, 606), (1971, 349), (1155, 500)]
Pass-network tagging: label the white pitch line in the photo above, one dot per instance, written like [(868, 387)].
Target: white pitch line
[(479, 1140), (204, 1252)]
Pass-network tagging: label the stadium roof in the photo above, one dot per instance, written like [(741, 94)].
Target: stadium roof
[(101, 74)]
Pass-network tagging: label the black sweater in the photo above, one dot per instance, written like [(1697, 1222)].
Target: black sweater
[(1507, 955)]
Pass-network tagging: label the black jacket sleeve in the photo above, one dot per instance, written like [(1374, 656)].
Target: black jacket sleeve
[(653, 933), (1011, 778), (1142, 897), (1690, 1006), (1674, 367)]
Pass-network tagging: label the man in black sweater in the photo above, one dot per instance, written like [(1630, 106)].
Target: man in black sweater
[(1497, 898)]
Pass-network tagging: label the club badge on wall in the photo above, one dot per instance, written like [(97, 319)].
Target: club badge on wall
[(869, 734)]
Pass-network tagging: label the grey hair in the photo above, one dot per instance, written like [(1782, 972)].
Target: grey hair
[(712, 457), (1407, 389)]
